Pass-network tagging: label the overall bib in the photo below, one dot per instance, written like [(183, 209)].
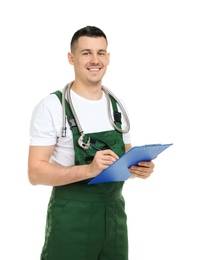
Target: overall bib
[(88, 222)]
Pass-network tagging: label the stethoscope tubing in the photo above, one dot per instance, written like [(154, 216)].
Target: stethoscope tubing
[(107, 92)]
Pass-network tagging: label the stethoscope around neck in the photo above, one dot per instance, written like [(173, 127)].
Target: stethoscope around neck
[(107, 93)]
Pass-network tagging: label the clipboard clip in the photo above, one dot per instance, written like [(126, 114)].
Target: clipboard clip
[(152, 144)]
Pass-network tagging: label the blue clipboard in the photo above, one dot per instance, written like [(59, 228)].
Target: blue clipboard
[(118, 171)]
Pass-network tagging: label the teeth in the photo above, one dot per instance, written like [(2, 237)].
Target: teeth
[(94, 69)]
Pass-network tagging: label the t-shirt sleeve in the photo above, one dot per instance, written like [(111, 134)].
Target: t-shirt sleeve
[(42, 127)]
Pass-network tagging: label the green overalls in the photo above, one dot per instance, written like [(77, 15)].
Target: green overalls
[(88, 222)]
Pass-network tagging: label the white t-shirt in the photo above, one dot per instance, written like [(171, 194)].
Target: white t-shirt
[(47, 121)]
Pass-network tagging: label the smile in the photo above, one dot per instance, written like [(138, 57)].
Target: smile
[(97, 69)]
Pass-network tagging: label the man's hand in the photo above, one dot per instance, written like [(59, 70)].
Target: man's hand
[(143, 170), (101, 161)]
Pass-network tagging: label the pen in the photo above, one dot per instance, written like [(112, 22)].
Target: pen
[(96, 148)]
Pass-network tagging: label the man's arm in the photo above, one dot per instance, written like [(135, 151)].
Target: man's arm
[(41, 171)]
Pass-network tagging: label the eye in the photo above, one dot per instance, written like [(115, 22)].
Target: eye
[(86, 53)]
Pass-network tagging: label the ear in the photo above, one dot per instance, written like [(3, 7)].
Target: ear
[(70, 58), (108, 58)]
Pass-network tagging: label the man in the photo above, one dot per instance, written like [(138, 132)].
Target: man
[(84, 222)]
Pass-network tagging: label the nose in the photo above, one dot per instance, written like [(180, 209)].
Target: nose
[(94, 58)]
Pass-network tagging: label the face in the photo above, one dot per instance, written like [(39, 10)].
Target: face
[(90, 59)]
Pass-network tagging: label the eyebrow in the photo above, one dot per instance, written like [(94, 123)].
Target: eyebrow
[(103, 50)]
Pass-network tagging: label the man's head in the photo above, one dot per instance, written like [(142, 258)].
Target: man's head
[(89, 31), (89, 55)]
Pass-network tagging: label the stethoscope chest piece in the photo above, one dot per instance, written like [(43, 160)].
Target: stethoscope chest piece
[(82, 144)]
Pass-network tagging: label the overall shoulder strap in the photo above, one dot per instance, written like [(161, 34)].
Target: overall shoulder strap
[(116, 113), (68, 111)]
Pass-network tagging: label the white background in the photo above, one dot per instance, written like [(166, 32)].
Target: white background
[(155, 68)]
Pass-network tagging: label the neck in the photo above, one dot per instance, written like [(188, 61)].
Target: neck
[(91, 92)]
